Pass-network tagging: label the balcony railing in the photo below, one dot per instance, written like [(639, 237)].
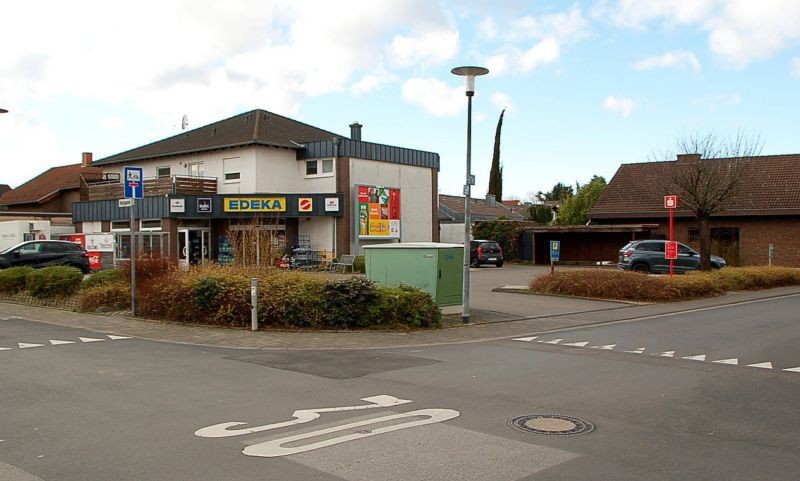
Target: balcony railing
[(109, 187)]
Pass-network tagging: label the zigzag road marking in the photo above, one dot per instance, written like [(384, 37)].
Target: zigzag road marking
[(699, 357), (58, 342), (761, 365)]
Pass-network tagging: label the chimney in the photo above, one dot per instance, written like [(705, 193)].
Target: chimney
[(86, 159), (688, 158), (355, 131), (491, 200)]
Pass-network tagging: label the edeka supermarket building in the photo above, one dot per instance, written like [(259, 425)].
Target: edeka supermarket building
[(257, 185)]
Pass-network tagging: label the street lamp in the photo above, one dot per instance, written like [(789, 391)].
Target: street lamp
[(469, 73), (3, 111)]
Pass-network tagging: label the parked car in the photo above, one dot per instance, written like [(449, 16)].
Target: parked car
[(485, 252), (46, 253), (648, 256)]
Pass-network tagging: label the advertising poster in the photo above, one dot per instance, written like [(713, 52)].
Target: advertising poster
[(378, 212)]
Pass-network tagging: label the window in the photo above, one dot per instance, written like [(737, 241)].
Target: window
[(150, 224), (163, 171), (232, 170), (321, 168), (120, 225), (196, 169)]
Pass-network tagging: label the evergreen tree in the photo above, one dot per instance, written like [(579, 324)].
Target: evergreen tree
[(496, 173)]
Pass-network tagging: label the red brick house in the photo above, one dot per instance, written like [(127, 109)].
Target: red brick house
[(764, 211)]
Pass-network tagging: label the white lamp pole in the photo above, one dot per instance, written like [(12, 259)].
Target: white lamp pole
[(469, 73)]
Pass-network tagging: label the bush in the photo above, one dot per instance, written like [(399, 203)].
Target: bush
[(112, 295), (359, 264), (507, 233), (350, 302), (632, 286), (408, 306), (13, 280), (108, 276), (54, 281)]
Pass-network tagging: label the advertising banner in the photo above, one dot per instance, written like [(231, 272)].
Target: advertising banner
[(378, 212)]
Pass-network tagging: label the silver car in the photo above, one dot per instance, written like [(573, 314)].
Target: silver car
[(648, 256)]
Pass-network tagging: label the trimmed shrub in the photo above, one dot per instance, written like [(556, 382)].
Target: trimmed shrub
[(54, 281), (360, 264), (408, 306), (351, 302), (13, 279), (111, 295), (108, 276)]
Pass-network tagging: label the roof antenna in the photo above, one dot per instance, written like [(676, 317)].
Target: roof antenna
[(184, 122)]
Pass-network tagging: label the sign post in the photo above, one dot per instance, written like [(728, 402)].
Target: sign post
[(671, 250), (555, 254), (133, 188)]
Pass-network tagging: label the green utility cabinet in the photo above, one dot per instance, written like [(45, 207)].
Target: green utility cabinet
[(436, 268)]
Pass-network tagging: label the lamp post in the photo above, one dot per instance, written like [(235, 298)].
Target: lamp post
[(3, 111), (469, 73)]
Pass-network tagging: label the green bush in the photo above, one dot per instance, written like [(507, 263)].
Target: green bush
[(206, 292), (408, 306), (507, 233), (359, 264), (54, 281), (108, 276), (110, 295), (350, 302), (13, 280)]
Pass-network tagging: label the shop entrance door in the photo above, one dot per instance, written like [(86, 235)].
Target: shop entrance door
[(193, 246)]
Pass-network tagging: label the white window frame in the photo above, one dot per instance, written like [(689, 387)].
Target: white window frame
[(150, 228), (121, 229), (160, 168), (236, 170), (199, 168), (320, 166)]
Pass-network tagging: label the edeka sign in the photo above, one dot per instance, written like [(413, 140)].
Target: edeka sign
[(254, 204)]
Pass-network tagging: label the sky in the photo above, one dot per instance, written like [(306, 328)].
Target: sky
[(587, 85)]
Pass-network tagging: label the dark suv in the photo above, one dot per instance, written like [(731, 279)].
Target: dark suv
[(648, 256), (485, 252), (45, 253)]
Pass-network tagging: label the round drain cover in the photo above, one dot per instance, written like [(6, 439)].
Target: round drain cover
[(551, 424)]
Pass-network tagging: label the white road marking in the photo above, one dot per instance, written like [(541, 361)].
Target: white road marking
[(792, 369), (90, 339), (732, 361), (666, 354), (761, 365), (606, 347), (554, 341), (56, 342), (525, 339), (272, 449), (699, 357), (117, 338), (576, 344), (637, 351), (301, 416), (25, 345), (5, 349)]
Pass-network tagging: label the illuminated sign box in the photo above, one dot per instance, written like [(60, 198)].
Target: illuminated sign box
[(254, 204)]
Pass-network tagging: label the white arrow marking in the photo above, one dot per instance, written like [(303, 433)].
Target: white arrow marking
[(554, 341), (56, 342), (792, 369), (301, 416), (117, 338), (761, 365), (525, 339), (666, 354), (25, 345), (637, 351), (90, 339), (732, 361), (576, 344), (700, 357), (272, 449), (607, 346), (5, 348)]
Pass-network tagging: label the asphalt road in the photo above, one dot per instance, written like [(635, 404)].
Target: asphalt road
[(78, 405)]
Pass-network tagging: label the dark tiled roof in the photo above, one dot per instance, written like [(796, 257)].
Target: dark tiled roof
[(46, 185), (770, 186), (451, 208), (4, 188), (257, 127)]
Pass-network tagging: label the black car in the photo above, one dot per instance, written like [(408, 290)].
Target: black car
[(485, 252), (46, 253), (648, 256)]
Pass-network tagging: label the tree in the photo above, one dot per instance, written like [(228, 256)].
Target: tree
[(575, 210), (560, 192), (541, 213), (496, 172), (707, 176)]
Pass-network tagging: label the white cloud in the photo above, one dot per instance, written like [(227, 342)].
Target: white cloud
[(677, 58), (620, 105), (567, 25), (502, 101), (435, 96), (715, 102), (487, 29), (544, 52), (739, 31), (426, 48), (497, 64), (111, 122), (796, 67)]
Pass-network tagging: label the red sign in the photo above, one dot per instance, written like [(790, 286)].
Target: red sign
[(670, 201), (305, 205), (671, 250), (94, 260)]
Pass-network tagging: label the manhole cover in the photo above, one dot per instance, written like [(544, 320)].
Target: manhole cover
[(551, 424)]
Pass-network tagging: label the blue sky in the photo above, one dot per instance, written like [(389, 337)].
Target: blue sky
[(588, 84)]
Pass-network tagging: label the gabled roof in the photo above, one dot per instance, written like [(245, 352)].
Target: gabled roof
[(256, 127), (46, 185), (451, 208), (770, 186)]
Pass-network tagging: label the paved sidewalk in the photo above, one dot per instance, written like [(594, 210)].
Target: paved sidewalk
[(549, 313)]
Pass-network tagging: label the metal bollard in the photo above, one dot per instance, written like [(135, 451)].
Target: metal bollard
[(253, 303)]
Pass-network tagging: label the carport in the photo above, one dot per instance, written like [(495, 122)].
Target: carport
[(581, 243)]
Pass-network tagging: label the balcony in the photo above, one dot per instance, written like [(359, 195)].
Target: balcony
[(108, 186)]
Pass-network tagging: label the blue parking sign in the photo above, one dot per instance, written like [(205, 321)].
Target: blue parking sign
[(133, 183), (555, 250)]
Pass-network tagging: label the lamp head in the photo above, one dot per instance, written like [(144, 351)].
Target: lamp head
[(470, 73)]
